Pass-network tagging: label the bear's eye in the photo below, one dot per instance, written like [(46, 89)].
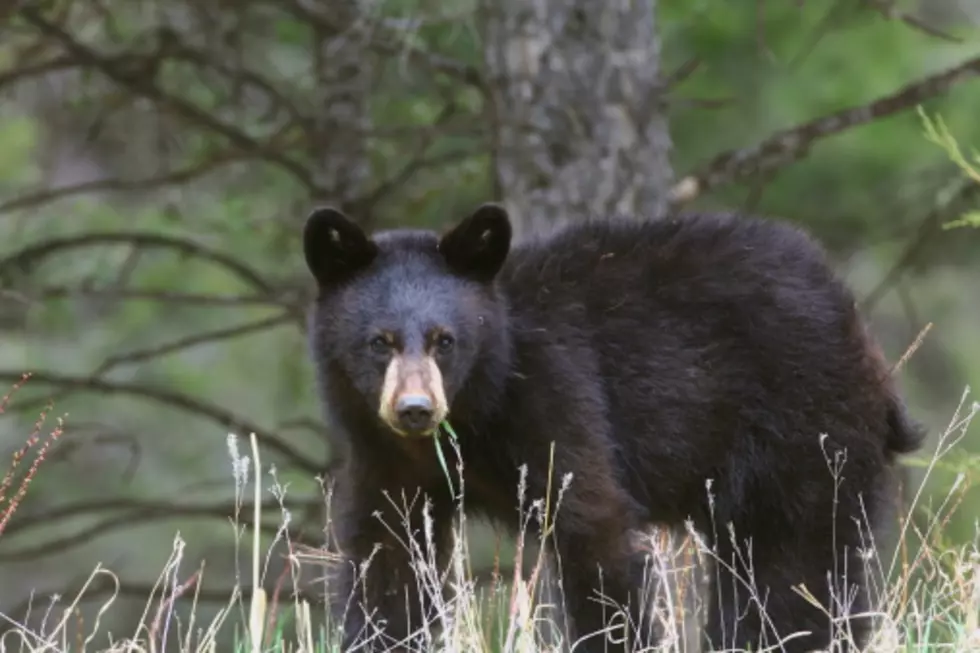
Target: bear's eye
[(444, 343), (379, 345)]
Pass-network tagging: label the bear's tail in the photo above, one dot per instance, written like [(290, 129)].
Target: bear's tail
[(905, 434)]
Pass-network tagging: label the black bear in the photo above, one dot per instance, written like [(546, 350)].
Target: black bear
[(708, 368)]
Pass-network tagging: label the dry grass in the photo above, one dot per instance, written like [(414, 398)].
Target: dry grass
[(927, 594)]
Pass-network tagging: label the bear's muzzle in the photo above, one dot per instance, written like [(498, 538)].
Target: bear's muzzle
[(413, 400)]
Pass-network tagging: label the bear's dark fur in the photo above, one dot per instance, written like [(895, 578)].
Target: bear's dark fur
[(702, 367)]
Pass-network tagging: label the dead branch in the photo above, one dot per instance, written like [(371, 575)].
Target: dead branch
[(180, 176), (28, 520), (162, 296), (143, 85), (889, 11), (102, 436), (206, 337), (391, 42), (181, 51), (143, 515), (62, 545), (24, 72), (791, 144), (224, 418), (363, 206), (29, 256), (930, 227)]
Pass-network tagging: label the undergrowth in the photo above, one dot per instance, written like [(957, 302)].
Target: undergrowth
[(927, 593)]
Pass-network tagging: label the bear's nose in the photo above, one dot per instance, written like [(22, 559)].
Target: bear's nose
[(414, 413)]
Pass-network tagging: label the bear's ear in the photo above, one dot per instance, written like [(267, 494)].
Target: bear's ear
[(476, 247), (335, 248)]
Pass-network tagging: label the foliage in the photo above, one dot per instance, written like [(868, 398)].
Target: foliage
[(938, 133)]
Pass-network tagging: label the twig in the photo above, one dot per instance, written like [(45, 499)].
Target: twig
[(142, 85), (226, 419), (27, 521), (888, 10), (911, 349), (164, 296), (180, 176), (928, 229), (192, 341), (23, 72), (180, 51), (104, 527), (405, 174), (31, 254), (103, 436), (391, 42)]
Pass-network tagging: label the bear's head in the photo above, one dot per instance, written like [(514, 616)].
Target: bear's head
[(405, 319)]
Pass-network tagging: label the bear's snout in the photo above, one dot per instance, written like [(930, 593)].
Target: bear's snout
[(413, 400), (414, 413)]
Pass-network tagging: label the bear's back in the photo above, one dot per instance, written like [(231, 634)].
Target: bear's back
[(691, 263), (716, 333)]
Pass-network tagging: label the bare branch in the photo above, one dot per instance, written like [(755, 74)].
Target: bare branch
[(192, 341), (103, 435), (681, 73), (181, 176), (23, 72), (163, 296), (30, 255), (928, 229), (277, 99), (62, 545), (226, 419), (405, 174), (137, 512), (791, 144), (142, 85), (27, 520), (391, 41), (888, 9)]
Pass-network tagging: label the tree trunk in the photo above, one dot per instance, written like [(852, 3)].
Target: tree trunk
[(577, 124), (343, 67), (575, 102)]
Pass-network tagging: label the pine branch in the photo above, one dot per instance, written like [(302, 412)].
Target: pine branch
[(784, 147)]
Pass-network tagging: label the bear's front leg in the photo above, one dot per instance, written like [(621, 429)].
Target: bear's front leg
[(600, 566), (380, 591)]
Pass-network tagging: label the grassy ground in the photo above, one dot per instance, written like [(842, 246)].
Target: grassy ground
[(927, 592)]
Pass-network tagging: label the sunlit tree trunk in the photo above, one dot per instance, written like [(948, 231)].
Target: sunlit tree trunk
[(576, 111)]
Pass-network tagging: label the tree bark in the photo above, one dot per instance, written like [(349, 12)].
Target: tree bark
[(343, 67), (577, 122), (575, 104)]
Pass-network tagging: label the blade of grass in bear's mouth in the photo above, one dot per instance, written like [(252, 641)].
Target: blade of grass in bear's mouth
[(442, 459)]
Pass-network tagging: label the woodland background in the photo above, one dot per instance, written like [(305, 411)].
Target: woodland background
[(158, 159)]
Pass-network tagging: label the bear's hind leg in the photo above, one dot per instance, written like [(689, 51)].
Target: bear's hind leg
[(601, 567), (766, 575)]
